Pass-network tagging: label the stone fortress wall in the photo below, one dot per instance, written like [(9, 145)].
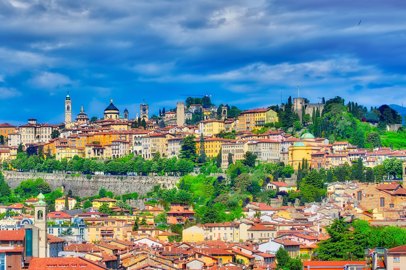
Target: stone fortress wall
[(84, 186)]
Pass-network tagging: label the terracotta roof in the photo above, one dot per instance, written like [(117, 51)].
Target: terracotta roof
[(16, 206), (62, 263), (279, 184), (15, 235), (330, 264), (88, 247), (400, 191), (286, 242), (11, 249), (261, 227), (259, 110), (54, 239), (391, 186), (58, 214), (399, 249)]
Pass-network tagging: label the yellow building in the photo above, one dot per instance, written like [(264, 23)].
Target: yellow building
[(99, 202), (6, 129), (60, 203), (155, 143), (256, 118), (211, 127), (67, 152), (193, 234), (212, 146), (108, 228), (303, 150)]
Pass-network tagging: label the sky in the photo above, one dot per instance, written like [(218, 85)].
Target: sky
[(243, 52)]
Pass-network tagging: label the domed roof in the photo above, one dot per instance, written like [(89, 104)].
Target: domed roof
[(111, 107), (307, 135), (82, 112), (298, 144)]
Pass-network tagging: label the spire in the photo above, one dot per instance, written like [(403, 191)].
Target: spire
[(67, 96), (111, 100), (82, 109)]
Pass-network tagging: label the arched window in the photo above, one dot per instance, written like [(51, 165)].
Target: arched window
[(40, 214)]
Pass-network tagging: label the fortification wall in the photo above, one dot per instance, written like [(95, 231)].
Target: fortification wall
[(83, 185)]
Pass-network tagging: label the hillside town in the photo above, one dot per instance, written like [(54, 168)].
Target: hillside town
[(116, 135), (250, 194)]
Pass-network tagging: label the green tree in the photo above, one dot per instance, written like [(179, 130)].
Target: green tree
[(104, 208), (294, 264), (282, 258), (66, 202), (219, 159), (188, 148), (55, 134), (374, 140), (358, 171), (5, 190), (20, 148), (87, 204), (249, 159), (230, 159), (136, 225), (369, 175), (202, 157), (2, 140), (393, 167)]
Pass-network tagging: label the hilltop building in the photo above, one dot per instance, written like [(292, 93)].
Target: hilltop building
[(303, 106), (180, 114), (111, 112), (68, 110), (144, 111), (82, 117)]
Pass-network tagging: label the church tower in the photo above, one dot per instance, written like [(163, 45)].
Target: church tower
[(180, 114), (68, 110), (40, 222)]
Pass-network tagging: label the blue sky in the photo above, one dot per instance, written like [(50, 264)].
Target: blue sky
[(246, 53)]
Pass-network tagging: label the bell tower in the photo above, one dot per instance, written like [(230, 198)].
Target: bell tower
[(41, 223), (68, 110)]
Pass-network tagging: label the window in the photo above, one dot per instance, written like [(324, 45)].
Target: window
[(382, 202), (396, 259), (40, 215), (359, 195), (391, 205)]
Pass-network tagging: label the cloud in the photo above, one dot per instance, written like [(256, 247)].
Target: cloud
[(163, 50), (7, 93), (49, 80), (153, 68)]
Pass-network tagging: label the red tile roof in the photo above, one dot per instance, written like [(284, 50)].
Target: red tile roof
[(261, 227), (62, 263), (391, 186), (399, 249), (279, 184), (54, 239), (88, 247), (58, 214), (15, 235), (330, 264)]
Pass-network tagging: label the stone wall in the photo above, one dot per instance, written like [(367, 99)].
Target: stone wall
[(88, 186)]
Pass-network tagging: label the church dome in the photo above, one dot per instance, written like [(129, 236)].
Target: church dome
[(111, 107), (307, 136)]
